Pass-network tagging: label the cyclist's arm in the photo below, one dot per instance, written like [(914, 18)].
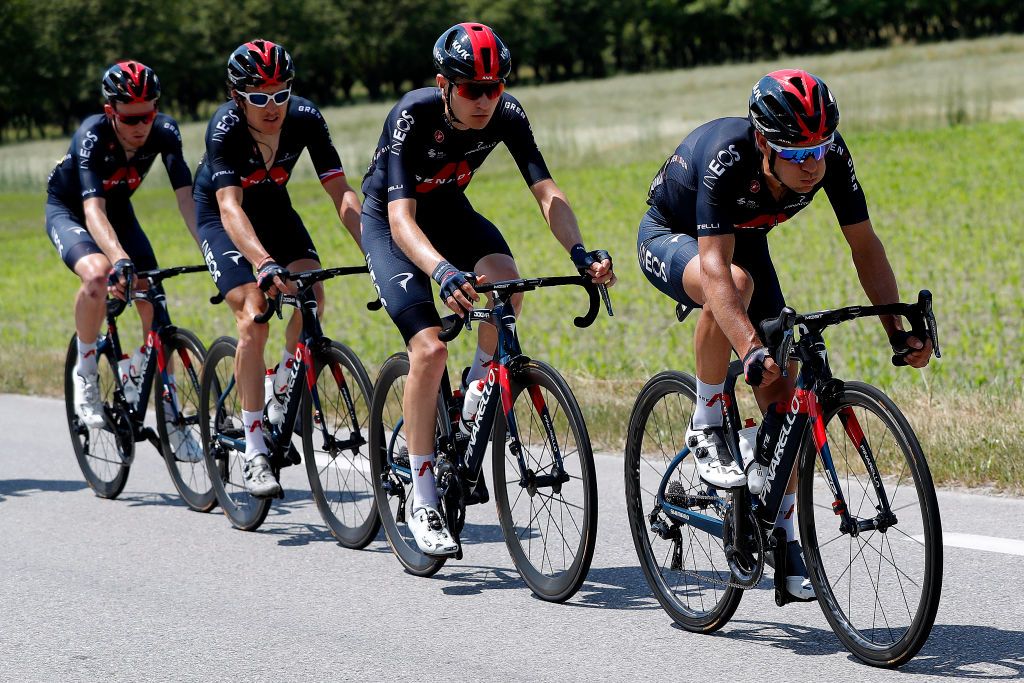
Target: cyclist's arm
[(187, 207), (720, 293), (177, 170), (239, 227), (562, 220), (99, 227), (409, 236), (347, 204)]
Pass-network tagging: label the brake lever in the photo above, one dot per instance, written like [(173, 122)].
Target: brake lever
[(603, 289)]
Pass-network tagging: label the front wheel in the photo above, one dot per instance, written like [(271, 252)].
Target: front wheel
[(335, 435), (220, 419), (685, 566), (104, 453), (389, 466), (186, 352), (547, 510), (879, 588)]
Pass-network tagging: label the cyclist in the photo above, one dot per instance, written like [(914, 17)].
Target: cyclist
[(704, 243), (91, 222), (246, 219), (417, 222)]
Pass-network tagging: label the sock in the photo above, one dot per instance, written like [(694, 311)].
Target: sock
[(86, 358), (424, 486), (787, 516), (252, 421), (478, 370), (709, 405), (170, 401)]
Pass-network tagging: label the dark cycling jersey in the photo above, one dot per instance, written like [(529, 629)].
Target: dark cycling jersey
[(714, 185), (233, 158), (421, 156), (96, 164)]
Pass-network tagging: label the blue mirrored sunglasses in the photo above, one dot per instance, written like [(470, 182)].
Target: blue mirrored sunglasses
[(798, 155), (262, 99)]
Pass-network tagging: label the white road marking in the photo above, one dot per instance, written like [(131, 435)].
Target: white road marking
[(992, 544)]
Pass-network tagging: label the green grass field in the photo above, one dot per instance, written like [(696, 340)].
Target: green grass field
[(945, 199)]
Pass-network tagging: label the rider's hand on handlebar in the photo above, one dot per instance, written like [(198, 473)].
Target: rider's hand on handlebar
[(273, 279), (120, 278), (457, 291), (759, 368), (915, 352), (597, 264)]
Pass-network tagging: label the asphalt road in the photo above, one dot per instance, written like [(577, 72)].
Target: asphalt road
[(143, 588)]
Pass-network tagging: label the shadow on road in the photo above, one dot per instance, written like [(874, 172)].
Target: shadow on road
[(615, 588), (23, 487), (147, 498)]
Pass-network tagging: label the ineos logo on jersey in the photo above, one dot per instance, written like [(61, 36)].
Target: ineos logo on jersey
[(373, 279), (211, 263), (404, 282), (653, 265), (226, 123), (403, 125), (88, 142), (722, 160)]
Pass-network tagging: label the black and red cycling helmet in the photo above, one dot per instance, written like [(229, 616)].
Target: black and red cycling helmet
[(472, 52), (258, 63), (793, 108), (130, 82)]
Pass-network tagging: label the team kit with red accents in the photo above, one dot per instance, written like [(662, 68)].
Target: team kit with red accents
[(721, 181)]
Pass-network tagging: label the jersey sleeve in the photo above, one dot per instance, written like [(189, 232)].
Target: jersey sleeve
[(174, 158), (714, 179), (842, 187), (322, 152), (86, 150), (401, 178), (518, 137), (219, 134)]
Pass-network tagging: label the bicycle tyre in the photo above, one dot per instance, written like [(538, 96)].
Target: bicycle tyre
[(224, 465), (875, 413), (660, 412), (104, 454), (385, 432), (343, 493), (191, 479), (557, 582)]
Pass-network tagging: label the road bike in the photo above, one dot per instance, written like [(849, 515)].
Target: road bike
[(105, 453), (868, 515), (541, 457), (326, 403)]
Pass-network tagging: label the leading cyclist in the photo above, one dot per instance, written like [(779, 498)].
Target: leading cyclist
[(704, 243), (91, 222), (417, 221), (246, 219)]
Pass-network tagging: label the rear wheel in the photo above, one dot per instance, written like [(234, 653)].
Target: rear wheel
[(335, 444), (549, 520), (220, 418), (686, 567), (879, 589), (192, 479), (389, 466), (104, 453)]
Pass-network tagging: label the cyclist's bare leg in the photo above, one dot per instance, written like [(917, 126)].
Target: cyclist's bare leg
[(294, 329), (427, 358), (496, 267), (247, 301), (711, 346), (90, 301)]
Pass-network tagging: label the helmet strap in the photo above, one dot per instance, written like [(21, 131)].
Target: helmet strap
[(448, 105)]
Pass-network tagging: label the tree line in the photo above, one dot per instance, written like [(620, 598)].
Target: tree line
[(56, 51)]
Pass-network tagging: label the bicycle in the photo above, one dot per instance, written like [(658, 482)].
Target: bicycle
[(332, 423), (547, 465), (105, 454), (862, 478)]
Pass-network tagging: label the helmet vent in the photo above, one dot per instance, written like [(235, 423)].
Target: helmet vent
[(486, 58)]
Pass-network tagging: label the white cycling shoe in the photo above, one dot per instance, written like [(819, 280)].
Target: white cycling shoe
[(259, 478), (183, 444), (88, 403), (431, 533), (797, 582), (715, 464)]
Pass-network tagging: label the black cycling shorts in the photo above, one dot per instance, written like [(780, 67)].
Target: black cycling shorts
[(67, 233), (282, 234), (663, 256), (463, 237)]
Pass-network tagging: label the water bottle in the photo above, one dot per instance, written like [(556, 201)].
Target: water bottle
[(128, 386), (748, 449), (471, 404), (763, 447), (135, 367)]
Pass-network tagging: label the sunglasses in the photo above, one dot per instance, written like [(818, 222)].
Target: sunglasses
[(473, 90), (135, 119), (799, 155), (262, 99)]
